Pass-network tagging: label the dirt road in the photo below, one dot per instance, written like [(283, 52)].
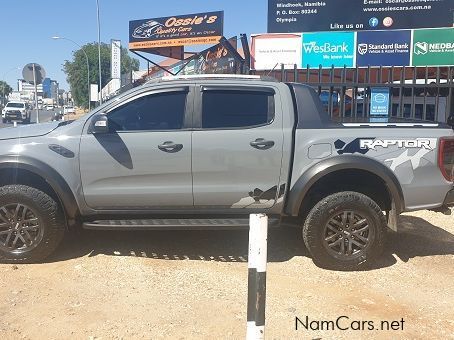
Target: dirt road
[(192, 285)]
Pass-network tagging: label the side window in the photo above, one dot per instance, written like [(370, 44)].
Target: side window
[(236, 109), (162, 111)]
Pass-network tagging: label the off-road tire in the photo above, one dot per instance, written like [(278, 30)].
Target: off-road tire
[(49, 216), (316, 227)]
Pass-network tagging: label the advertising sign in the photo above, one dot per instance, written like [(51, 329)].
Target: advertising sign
[(94, 93), (433, 47), (271, 50), (383, 48), (116, 59), (379, 103), (191, 29), (328, 49), (356, 15)]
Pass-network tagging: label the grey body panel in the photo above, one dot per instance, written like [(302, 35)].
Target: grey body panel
[(417, 171)]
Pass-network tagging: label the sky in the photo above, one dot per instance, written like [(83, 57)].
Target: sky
[(27, 26)]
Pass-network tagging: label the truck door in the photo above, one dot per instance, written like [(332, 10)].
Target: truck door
[(237, 148), (144, 162)]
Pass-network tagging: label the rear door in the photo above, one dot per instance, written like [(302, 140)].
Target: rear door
[(237, 148)]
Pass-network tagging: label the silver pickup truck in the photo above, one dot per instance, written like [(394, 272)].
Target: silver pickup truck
[(204, 153)]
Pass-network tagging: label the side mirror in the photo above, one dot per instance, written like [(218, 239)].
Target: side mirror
[(451, 121), (100, 124)]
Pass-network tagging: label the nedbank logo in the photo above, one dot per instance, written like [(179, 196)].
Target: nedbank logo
[(327, 47), (421, 48)]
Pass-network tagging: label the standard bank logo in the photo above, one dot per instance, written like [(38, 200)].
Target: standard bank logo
[(362, 49), (421, 48)]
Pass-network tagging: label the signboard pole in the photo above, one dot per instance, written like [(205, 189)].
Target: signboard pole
[(257, 261), (36, 94)]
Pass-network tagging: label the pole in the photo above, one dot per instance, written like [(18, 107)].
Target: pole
[(36, 94), (258, 244), (99, 53)]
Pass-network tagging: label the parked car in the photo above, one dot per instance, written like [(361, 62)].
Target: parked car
[(69, 110), (16, 111), (204, 153)]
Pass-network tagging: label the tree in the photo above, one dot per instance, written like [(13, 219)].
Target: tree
[(5, 90), (76, 70)]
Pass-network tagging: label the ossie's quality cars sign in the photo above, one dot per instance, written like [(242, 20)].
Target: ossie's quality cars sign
[(191, 29)]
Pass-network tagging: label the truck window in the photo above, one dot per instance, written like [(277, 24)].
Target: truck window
[(164, 111), (236, 109), (16, 105)]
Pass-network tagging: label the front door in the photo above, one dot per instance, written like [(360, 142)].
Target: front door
[(144, 162), (237, 150)]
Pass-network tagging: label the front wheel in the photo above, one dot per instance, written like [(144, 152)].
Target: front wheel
[(345, 231), (31, 224)]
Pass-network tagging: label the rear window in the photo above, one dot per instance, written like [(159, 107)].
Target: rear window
[(236, 109), (16, 105)]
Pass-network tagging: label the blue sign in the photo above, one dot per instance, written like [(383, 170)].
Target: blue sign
[(328, 49), (379, 103), (47, 87), (383, 48)]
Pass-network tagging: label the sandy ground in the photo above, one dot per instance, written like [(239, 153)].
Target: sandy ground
[(192, 285)]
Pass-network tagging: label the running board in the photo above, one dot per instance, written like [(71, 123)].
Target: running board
[(174, 224)]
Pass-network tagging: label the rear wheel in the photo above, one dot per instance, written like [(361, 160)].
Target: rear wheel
[(31, 224), (345, 231)]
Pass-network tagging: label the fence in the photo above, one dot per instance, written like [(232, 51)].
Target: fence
[(415, 92)]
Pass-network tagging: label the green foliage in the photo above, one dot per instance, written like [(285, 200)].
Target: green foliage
[(5, 90), (76, 70)]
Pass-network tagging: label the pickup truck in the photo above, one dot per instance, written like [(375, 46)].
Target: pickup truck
[(204, 153), (16, 111)]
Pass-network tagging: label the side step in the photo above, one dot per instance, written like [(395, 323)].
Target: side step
[(174, 224)]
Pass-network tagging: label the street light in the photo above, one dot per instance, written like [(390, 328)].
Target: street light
[(88, 65), (99, 52), (3, 78)]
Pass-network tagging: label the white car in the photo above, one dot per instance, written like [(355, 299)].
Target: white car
[(68, 110), (16, 111), (49, 107)]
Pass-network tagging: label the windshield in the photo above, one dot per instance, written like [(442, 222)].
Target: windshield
[(17, 105)]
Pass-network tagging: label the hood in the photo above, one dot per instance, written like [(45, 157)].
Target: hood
[(32, 130)]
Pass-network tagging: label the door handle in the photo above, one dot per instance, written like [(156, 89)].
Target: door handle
[(262, 144), (170, 147)]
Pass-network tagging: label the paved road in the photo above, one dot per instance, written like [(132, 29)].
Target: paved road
[(44, 116)]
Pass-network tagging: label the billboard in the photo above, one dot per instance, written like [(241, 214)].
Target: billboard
[(115, 59), (433, 47), (328, 49), (357, 15), (383, 48), (191, 29), (269, 50)]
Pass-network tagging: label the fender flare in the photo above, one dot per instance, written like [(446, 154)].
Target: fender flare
[(50, 175), (344, 162)]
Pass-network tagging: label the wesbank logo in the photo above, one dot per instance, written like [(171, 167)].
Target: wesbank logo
[(327, 47)]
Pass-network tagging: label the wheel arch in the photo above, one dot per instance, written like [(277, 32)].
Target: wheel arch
[(341, 163), (46, 173)]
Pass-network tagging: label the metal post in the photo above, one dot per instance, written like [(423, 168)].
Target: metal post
[(36, 94), (258, 247), (99, 53)]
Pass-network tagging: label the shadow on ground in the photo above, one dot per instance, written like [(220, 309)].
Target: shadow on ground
[(417, 238)]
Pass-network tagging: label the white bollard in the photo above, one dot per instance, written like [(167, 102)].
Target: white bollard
[(258, 248), (14, 123)]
